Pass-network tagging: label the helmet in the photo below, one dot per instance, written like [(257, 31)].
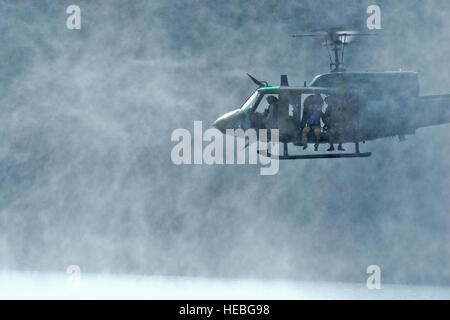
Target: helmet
[(313, 99), (271, 99)]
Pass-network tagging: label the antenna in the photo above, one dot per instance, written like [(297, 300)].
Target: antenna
[(260, 84), (335, 41)]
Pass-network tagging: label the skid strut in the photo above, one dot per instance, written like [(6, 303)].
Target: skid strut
[(286, 156)]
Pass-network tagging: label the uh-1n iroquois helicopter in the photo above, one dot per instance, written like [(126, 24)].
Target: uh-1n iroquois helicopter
[(375, 104)]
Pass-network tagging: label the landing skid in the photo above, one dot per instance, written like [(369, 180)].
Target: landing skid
[(318, 156), (285, 155)]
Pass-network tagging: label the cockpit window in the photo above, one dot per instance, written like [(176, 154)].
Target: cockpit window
[(251, 103)]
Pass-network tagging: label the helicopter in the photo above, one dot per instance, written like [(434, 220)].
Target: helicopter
[(378, 104)]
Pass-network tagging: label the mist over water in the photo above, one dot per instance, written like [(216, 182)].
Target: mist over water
[(85, 126)]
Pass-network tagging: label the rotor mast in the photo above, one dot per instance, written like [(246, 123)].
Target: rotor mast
[(335, 41), (338, 64)]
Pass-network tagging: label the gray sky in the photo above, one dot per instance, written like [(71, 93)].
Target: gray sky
[(86, 175)]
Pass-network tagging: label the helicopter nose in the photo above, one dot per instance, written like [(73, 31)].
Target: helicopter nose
[(220, 124), (229, 120)]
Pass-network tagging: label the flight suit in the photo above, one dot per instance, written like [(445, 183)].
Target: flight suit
[(271, 119), (336, 120), (311, 122)]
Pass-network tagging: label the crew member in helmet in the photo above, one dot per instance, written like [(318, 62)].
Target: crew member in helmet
[(312, 113), (271, 113), (335, 119)]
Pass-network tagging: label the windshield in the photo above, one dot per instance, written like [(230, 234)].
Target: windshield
[(250, 103)]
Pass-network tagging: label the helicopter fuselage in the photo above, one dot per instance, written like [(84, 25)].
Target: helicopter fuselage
[(382, 104)]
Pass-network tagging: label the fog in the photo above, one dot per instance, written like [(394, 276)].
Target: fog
[(85, 127), (44, 285)]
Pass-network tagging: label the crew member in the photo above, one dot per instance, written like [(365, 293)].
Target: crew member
[(312, 113), (335, 119), (271, 113)]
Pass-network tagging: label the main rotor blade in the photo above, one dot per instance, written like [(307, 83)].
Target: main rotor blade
[(354, 33), (311, 34), (331, 34)]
